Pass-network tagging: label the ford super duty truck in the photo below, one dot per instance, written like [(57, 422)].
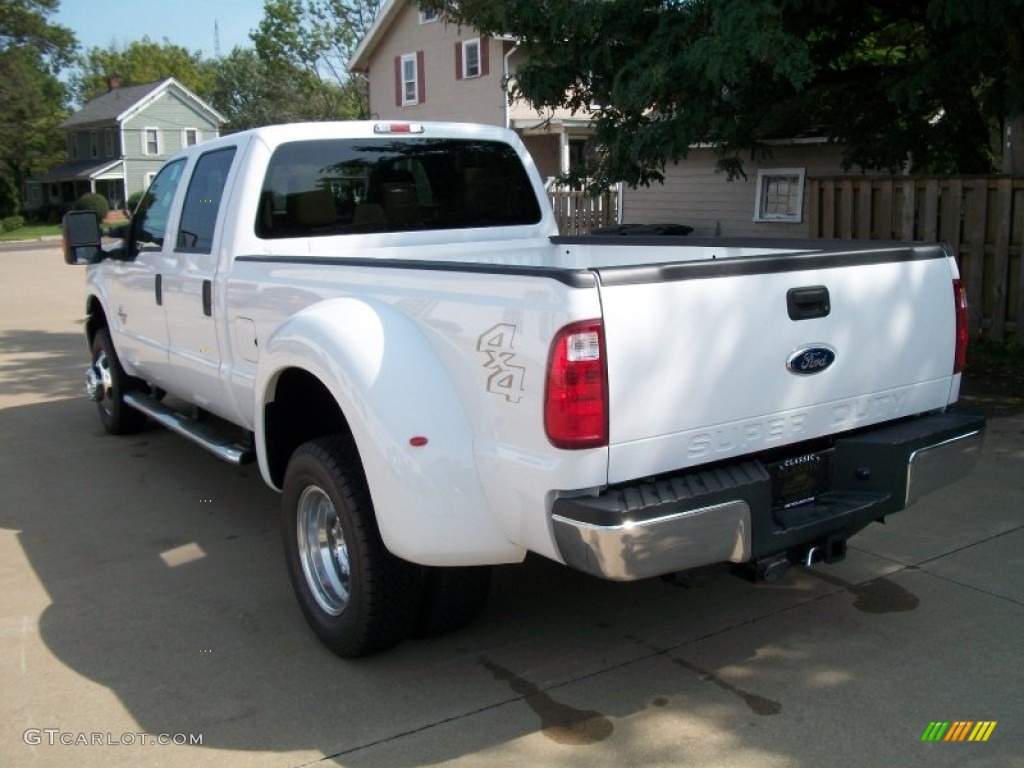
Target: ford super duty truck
[(384, 317)]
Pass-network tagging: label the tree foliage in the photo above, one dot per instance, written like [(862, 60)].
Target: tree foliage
[(308, 45), (32, 99), (250, 93), (923, 85), (24, 24), (142, 61)]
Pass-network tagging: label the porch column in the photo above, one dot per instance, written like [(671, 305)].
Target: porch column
[(563, 152)]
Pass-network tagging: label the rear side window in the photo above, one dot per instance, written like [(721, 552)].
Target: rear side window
[(347, 186), (202, 201), (149, 224)]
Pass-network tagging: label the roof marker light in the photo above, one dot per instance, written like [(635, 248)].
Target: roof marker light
[(397, 128)]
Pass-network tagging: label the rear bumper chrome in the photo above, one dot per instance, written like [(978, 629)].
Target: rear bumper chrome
[(637, 550), (725, 514), (939, 465)]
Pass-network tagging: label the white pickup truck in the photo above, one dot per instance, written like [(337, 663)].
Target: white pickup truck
[(383, 315)]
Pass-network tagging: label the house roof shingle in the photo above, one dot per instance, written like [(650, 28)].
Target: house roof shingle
[(117, 103), (110, 105)]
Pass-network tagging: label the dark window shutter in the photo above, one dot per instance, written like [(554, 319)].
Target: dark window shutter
[(398, 81), (421, 77), (458, 59), (484, 68)]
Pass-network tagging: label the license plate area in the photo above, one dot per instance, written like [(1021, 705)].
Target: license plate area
[(799, 479)]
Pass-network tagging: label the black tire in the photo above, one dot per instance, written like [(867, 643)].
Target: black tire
[(452, 598), (117, 417), (357, 597)]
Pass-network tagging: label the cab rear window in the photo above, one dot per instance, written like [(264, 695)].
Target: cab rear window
[(348, 186)]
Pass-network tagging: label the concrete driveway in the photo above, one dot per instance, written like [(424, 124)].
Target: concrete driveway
[(143, 598)]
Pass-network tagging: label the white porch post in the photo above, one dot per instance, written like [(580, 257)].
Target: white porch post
[(563, 152)]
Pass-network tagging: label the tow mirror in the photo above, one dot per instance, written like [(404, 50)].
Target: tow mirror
[(81, 232)]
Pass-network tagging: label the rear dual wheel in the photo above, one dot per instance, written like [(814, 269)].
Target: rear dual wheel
[(356, 596)]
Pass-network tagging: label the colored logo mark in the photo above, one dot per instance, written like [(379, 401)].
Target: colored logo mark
[(959, 730)]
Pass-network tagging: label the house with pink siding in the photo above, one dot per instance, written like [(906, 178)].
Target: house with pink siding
[(423, 67)]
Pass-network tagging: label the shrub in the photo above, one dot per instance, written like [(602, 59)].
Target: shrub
[(91, 201), (11, 223)]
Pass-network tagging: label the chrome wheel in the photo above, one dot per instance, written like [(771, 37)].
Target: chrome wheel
[(106, 384), (323, 551), (101, 387), (357, 597)]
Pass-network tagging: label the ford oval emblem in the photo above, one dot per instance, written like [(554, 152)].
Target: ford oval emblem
[(808, 361)]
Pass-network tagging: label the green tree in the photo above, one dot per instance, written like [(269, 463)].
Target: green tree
[(142, 61), (32, 100), (918, 84), (249, 94), (310, 43), (25, 23)]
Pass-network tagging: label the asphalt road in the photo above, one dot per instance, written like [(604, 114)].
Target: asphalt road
[(143, 591)]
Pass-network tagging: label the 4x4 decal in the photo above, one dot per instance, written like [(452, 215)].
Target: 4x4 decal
[(506, 378)]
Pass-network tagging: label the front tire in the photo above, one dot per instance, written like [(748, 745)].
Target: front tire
[(357, 597), (117, 417)]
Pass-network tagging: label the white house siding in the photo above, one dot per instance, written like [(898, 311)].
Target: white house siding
[(473, 100), (694, 194)]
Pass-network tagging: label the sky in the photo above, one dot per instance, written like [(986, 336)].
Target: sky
[(188, 23)]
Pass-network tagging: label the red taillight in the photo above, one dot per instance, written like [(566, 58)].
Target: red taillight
[(962, 327), (576, 399)]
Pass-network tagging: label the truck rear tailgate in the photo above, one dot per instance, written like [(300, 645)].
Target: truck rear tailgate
[(722, 355)]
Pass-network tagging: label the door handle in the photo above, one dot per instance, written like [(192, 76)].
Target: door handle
[(208, 298), (808, 302), (158, 287)]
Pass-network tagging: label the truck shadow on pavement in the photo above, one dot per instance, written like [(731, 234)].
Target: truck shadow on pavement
[(167, 586), (42, 363)]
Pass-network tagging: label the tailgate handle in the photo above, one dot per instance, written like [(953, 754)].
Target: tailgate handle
[(808, 302)]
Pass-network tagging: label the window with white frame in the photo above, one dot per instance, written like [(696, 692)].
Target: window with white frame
[(151, 141), (108, 142), (471, 58), (410, 80), (427, 16), (150, 175), (780, 195), (189, 137)]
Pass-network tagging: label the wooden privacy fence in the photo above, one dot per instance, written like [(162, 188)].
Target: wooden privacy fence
[(577, 213), (982, 217)]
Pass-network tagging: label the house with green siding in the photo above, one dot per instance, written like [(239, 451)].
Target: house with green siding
[(117, 142)]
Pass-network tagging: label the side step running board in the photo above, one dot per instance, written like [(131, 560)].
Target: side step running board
[(217, 443)]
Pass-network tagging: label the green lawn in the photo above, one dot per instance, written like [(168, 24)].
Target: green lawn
[(30, 232)]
